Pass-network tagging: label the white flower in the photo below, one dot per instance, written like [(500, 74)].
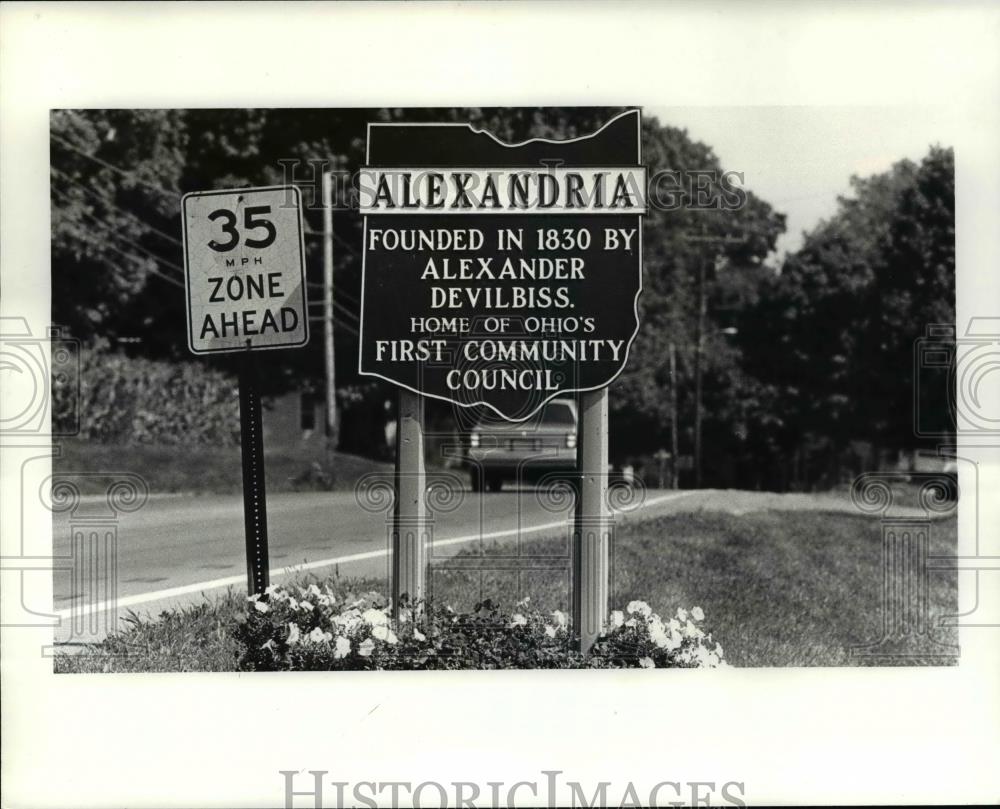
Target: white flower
[(617, 618), (254, 597), (691, 631), (647, 663), (658, 636), (640, 607), (550, 631), (560, 618), (375, 617), (305, 605), (524, 601), (293, 634), (391, 638), (260, 606), (404, 615), (697, 613), (418, 635), (318, 635), (349, 619), (682, 614), (705, 657), (342, 648), (271, 589), (518, 620), (381, 632), (313, 590), (630, 622), (366, 647), (269, 645)]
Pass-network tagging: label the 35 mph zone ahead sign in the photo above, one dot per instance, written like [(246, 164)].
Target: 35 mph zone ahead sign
[(500, 274), (245, 269)]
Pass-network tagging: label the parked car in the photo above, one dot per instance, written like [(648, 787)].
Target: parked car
[(496, 451)]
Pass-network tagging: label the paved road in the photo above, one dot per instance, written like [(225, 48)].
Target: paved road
[(175, 549)]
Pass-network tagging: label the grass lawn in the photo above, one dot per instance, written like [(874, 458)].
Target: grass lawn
[(779, 588), (206, 470)]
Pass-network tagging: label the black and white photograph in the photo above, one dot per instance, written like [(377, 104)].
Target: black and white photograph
[(500, 387), (352, 400)]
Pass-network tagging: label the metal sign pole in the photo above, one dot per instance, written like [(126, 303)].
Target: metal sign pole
[(409, 535), (254, 499), (592, 530)]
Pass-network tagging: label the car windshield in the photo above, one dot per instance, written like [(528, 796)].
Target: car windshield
[(554, 414), (558, 413)]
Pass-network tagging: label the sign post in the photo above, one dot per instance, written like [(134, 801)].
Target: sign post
[(592, 525), (254, 494), (244, 268), (500, 276), (409, 532)]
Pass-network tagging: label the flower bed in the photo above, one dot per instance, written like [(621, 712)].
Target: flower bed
[(311, 629)]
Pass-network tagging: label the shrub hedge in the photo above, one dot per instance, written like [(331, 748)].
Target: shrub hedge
[(133, 400)]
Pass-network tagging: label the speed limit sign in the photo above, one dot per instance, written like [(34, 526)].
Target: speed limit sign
[(244, 264)]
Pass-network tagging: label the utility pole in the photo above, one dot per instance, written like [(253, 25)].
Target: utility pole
[(328, 345), (721, 240), (699, 340), (673, 415)]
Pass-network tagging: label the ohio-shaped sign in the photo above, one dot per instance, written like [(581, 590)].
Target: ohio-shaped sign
[(500, 274)]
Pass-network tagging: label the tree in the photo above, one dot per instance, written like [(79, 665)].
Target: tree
[(115, 190), (679, 242), (832, 336), (913, 288)]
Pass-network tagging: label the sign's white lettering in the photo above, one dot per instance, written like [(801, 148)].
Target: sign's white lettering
[(533, 296), (502, 190)]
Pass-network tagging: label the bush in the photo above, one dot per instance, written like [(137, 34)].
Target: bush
[(132, 400), (313, 630)]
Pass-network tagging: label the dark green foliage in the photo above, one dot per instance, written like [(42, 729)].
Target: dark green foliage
[(132, 400)]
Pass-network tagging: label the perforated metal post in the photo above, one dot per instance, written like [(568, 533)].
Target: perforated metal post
[(254, 497), (409, 535), (592, 530)]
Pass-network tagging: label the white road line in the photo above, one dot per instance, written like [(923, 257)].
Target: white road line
[(229, 581)]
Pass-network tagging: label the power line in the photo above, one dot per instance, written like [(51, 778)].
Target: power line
[(340, 292), (118, 208), (346, 311), (337, 305), (114, 232), (346, 326), (342, 242), (169, 279), (130, 174)]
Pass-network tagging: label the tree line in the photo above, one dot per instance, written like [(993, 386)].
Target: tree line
[(806, 369)]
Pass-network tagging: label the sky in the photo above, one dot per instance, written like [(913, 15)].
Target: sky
[(800, 159)]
